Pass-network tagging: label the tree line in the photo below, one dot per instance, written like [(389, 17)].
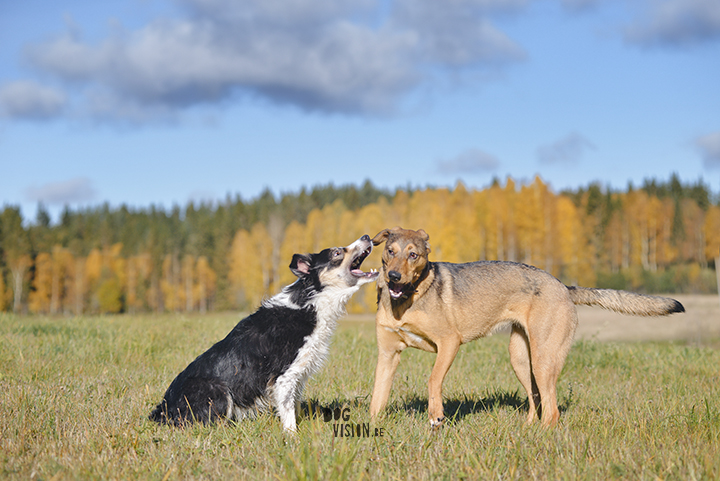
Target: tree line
[(661, 236)]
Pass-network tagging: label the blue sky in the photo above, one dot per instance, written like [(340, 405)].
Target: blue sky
[(166, 101)]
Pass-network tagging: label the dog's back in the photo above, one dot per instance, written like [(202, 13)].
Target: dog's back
[(495, 282)]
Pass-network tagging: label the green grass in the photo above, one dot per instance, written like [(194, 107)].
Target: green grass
[(75, 394)]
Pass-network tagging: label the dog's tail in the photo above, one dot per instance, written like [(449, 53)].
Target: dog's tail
[(625, 302)]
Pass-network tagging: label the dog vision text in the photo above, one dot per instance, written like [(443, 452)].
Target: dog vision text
[(359, 430)]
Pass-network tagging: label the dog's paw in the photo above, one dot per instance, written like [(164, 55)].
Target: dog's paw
[(437, 422)]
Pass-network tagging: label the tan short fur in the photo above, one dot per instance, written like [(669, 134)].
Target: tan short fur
[(437, 306)]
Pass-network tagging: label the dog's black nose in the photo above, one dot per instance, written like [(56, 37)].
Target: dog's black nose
[(394, 276), (365, 238)]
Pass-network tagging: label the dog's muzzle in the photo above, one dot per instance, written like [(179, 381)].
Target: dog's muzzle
[(358, 260), (399, 290)]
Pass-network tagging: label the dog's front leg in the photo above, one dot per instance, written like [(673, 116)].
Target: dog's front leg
[(389, 349), (445, 355), (285, 399)]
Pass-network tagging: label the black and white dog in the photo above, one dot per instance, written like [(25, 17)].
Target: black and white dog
[(268, 357)]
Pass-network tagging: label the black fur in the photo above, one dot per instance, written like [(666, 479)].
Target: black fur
[(241, 366)]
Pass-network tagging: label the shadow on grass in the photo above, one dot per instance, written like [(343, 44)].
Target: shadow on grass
[(455, 409)]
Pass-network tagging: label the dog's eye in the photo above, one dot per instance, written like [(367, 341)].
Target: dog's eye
[(337, 253), (390, 252), (413, 255)]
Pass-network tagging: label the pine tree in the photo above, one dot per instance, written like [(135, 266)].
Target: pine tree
[(16, 250)]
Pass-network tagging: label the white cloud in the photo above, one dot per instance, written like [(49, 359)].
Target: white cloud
[(79, 189), (472, 161), (290, 14), (30, 100), (567, 150), (709, 147), (459, 33), (345, 56), (676, 23)]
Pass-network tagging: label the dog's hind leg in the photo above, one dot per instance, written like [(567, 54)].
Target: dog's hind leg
[(445, 356), (520, 359), (550, 340), (545, 373), (196, 400)]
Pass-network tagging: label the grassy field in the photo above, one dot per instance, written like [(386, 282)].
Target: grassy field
[(75, 394)]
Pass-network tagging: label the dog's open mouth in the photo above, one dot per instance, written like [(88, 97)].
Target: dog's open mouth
[(397, 290), (357, 262)]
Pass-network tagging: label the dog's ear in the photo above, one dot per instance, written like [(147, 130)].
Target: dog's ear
[(384, 234), (424, 236), (381, 237), (300, 265)]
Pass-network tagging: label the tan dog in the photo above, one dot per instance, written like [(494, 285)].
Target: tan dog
[(437, 306)]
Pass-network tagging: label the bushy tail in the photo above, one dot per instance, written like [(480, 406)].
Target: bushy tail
[(625, 302)]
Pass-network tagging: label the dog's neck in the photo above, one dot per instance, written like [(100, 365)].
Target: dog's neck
[(423, 275)]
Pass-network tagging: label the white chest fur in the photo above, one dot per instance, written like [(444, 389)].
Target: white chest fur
[(330, 306)]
